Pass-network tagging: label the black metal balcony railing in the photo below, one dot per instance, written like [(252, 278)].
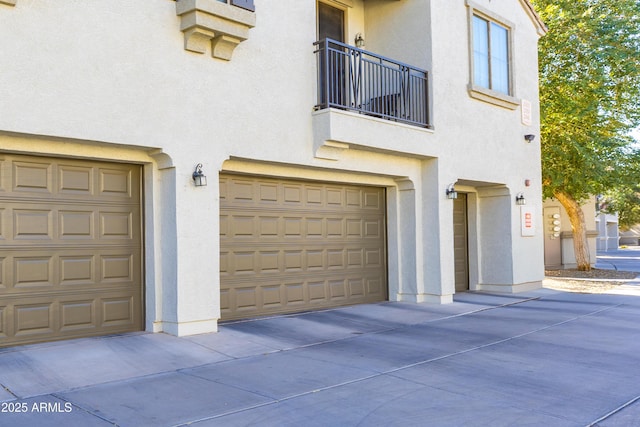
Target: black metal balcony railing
[(353, 79)]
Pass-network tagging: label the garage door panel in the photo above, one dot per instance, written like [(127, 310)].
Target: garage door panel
[(77, 270), (294, 294), (335, 228), (118, 311), (372, 200), (268, 262), (117, 268), (3, 221), (261, 227), (335, 259), (355, 258), (116, 225), (293, 261), (33, 272), (372, 229), (3, 321), (70, 249), (271, 295), (37, 319), (5, 174), (116, 183), (289, 246), (317, 291), (78, 315), (373, 257), (245, 298), (3, 269), (54, 221), (269, 226), (293, 227), (244, 263), (76, 180), (243, 191), (104, 268), (337, 289), (32, 224), (34, 319), (293, 195), (73, 179), (268, 193), (356, 287), (243, 226), (32, 177), (314, 195), (334, 197), (240, 263), (76, 224)]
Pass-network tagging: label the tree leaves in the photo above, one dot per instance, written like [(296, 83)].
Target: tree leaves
[(589, 92)]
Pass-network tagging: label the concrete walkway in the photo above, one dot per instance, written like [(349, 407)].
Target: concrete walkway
[(544, 358), (627, 259)]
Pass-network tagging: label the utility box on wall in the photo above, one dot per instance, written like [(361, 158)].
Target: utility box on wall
[(558, 235)]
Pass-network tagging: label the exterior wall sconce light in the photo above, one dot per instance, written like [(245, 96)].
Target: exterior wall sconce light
[(199, 178), (520, 200), (529, 137), (451, 192), (359, 40)]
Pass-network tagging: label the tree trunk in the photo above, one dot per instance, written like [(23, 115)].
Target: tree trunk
[(579, 228)]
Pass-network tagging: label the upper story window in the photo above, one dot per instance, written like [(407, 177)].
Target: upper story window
[(245, 4), (491, 55)]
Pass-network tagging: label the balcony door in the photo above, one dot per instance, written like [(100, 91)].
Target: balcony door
[(333, 62), (330, 22)]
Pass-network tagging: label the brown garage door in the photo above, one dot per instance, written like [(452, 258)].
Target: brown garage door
[(70, 249), (291, 246)]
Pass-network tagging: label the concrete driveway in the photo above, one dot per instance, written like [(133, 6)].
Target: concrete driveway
[(544, 358)]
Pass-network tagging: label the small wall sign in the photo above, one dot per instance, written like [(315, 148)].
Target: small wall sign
[(527, 221)]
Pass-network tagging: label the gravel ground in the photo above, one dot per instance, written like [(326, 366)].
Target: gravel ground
[(595, 281)]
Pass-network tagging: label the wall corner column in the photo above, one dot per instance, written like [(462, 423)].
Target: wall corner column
[(190, 253), (436, 237)]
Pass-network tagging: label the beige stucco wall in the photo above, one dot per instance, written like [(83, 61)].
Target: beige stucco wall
[(111, 80)]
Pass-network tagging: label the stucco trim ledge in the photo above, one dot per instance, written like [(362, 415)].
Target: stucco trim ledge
[(336, 130), (210, 22), (493, 97)]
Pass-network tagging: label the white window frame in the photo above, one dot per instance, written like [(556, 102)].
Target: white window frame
[(479, 92)]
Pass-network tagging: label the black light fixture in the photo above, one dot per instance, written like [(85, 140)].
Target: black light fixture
[(529, 137), (451, 192), (199, 178), (520, 200), (359, 40)]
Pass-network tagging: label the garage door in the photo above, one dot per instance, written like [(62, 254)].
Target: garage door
[(70, 249), (292, 246)]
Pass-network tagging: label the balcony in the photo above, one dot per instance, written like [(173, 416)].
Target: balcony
[(356, 80)]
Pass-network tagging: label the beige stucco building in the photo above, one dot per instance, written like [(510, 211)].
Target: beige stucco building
[(329, 168)]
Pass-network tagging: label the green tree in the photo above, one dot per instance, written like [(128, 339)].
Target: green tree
[(626, 202), (590, 98)]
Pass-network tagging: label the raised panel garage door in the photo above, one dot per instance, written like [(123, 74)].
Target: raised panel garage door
[(70, 249), (289, 246)]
